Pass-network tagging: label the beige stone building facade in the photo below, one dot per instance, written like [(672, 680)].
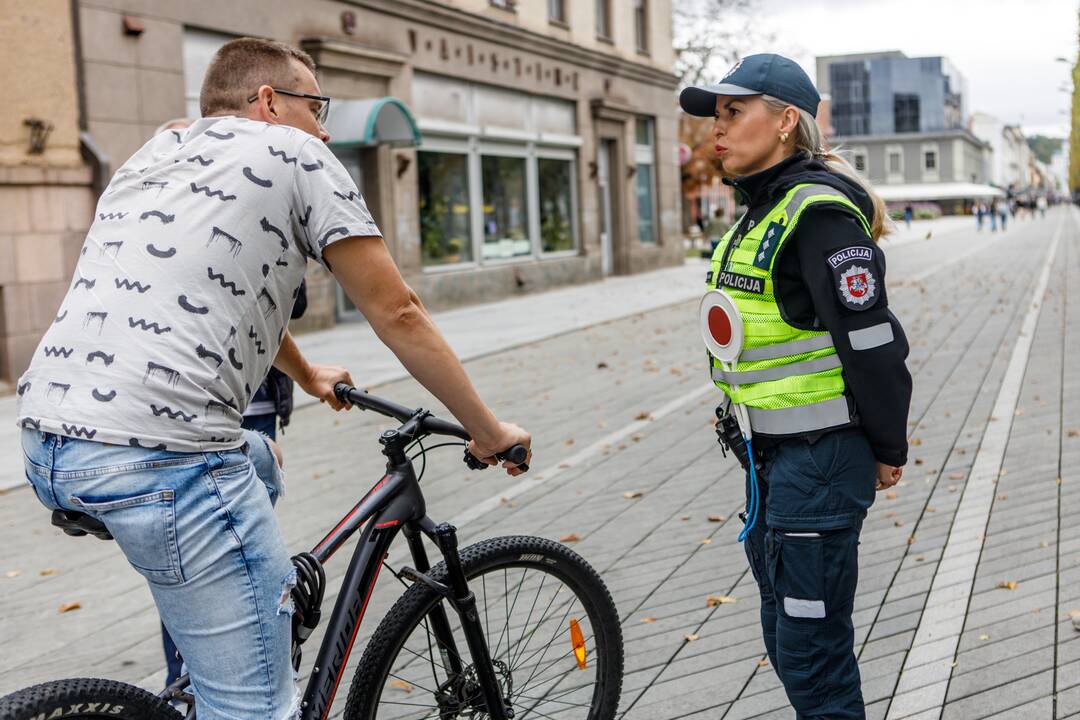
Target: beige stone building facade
[(517, 145)]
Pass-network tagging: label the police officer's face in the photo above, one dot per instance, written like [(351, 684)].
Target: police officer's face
[(747, 134)]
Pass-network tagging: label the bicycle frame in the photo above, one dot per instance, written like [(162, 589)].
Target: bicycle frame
[(395, 504)]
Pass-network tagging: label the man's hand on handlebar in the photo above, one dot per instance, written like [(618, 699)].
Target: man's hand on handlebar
[(509, 436), (319, 380)]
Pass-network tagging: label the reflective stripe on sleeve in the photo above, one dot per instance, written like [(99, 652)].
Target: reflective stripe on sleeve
[(871, 337), (805, 367)]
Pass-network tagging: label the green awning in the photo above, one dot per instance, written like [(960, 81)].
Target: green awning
[(381, 121)]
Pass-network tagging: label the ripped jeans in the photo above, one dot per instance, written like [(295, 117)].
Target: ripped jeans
[(200, 528)]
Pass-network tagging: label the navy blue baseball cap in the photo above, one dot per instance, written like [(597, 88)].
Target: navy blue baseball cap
[(761, 74)]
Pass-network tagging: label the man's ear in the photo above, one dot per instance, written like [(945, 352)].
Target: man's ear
[(266, 103)]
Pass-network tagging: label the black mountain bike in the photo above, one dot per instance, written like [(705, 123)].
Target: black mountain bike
[(512, 627)]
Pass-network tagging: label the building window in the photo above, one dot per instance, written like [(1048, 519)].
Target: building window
[(445, 226), (645, 164), (556, 205), (506, 209), (930, 160), (896, 163), (505, 4), (199, 49), (603, 19), (905, 113), (557, 11), (641, 25), (860, 162)]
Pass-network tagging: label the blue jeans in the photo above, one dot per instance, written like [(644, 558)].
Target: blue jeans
[(805, 558), (200, 528), (267, 425)]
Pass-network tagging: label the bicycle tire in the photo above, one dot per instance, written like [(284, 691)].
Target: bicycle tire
[(85, 698), (413, 606)]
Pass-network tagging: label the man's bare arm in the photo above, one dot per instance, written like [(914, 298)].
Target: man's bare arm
[(316, 380), (370, 278)]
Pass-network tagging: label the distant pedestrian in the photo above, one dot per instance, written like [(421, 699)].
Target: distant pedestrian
[(1003, 209), (909, 213), (980, 212), (993, 215), (1041, 204)]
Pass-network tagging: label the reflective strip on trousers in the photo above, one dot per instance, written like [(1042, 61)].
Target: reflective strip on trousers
[(801, 418), (804, 367), (795, 347)]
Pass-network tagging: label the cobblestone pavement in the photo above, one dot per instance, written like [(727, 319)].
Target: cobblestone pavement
[(968, 572)]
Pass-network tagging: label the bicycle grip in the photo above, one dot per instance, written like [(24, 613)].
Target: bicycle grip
[(515, 454)]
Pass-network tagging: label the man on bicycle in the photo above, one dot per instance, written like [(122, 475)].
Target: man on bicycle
[(132, 404)]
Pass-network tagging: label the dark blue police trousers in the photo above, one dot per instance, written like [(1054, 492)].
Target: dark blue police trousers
[(804, 556)]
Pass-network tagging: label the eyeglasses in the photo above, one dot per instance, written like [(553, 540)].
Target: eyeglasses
[(320, 115)]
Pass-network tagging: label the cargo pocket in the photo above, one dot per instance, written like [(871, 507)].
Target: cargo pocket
[(145, 528), (798, 572)]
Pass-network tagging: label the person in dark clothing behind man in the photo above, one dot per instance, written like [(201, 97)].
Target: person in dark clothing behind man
[(273, 401), (816, 370)]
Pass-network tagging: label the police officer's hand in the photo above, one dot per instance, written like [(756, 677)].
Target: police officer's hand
[(887, 476)]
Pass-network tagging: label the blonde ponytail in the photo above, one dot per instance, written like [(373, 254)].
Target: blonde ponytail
[(808, 139)]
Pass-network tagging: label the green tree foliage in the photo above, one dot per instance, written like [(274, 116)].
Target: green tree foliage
[(1044, 147)]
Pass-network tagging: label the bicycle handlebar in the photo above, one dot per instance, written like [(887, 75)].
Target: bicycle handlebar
[(432, 425)]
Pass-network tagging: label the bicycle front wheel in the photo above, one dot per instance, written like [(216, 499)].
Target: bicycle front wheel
[(551, 628)]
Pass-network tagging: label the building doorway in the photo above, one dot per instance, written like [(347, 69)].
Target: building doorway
[(605, 153)]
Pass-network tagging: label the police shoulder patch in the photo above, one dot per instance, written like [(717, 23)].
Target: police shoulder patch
[(856, 284)]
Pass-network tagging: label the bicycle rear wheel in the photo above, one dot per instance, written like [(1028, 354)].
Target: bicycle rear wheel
[(85, 698), (552, 632)]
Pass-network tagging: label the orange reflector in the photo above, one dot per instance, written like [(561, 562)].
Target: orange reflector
[(577, 640)]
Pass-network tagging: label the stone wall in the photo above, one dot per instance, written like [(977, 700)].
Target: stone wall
[(45, 213)]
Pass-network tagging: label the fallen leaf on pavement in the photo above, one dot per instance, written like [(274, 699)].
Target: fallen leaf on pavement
[(916, 441), (572, 537), (401, 685), (706, 541), (684, 518), (601, 365), (630, 495), (1007, 585), (952, 488), (569, 441), (648, 619), (919, 558), (13, 573), (911, 540), (898, 523), (890, 496), (48, 572), (1072, 432), (918, 461), (956, 476), (643, 415), (1003, 496), (716, 518), (68, 607), (691, 638), (763, 662), (984, 637), (714, 600)]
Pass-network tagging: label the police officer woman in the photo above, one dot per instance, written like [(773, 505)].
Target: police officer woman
[(819, 376)]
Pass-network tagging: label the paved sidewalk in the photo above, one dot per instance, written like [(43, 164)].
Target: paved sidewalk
[(472, 331), (626, 462)]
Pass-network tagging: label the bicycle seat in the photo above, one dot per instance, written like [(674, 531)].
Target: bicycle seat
[(78, 524)]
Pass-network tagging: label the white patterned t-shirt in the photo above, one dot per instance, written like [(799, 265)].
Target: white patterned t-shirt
[(183, 291)]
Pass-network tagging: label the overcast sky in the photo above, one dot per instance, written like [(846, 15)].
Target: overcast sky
[(1004, 48)]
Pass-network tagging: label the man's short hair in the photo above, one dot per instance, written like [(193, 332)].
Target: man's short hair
[(241, 66)]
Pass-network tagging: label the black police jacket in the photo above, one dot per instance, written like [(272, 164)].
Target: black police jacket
[(816, 288)]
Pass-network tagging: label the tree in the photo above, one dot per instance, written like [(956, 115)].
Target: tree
[(1074, 129), (1044, 147), (711, 35)]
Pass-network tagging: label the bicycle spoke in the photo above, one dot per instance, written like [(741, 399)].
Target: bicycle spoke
[(525, 627)]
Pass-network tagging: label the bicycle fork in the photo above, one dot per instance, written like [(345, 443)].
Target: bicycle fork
[(463, 601)]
